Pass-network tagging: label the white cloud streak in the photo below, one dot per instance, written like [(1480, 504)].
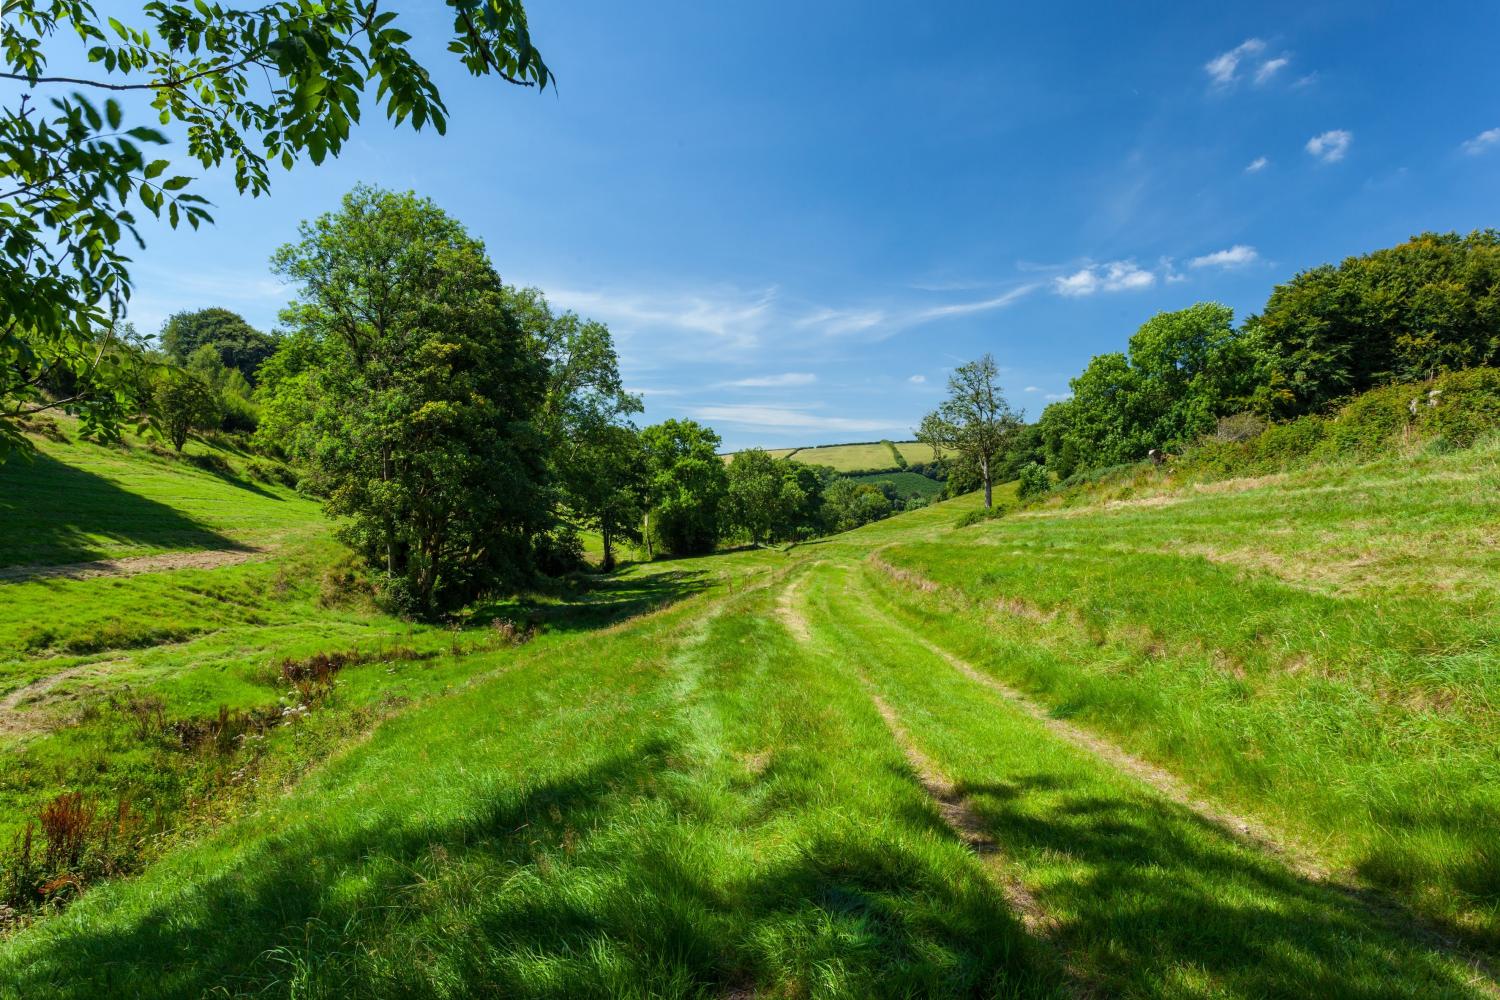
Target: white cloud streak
[(1238, 255), (1481, 142), (1257, 165), (774, 381), (1270, 68), (1223, 68), (784, 418), (1330, 146)]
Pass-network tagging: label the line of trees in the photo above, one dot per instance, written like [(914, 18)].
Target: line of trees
[(1402, 314)]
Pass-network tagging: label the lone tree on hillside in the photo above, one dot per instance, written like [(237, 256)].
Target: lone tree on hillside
[(252, 87), (974, 421)]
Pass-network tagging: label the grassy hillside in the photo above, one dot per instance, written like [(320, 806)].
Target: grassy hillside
[(1233, 740), (906, 484)]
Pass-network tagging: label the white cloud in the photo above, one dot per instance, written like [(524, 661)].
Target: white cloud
[(1270, 68), (735, 318), (917, 379), (774, 381), (1223, 68), (1331, 146), (1236, 256), (1482, 141), (969, 308), (1116, 276), (839, 321), (1032, 388), (788, 418), (1055, 396), (1257, 165)]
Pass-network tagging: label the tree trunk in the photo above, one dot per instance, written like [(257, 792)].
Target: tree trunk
[(984, 470), (646, 534), (608, 563)]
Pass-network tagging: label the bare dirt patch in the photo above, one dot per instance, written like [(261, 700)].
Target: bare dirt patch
[(198, 559)]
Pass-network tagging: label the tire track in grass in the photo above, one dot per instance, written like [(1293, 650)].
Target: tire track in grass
[(957, 812), (1382, 910)]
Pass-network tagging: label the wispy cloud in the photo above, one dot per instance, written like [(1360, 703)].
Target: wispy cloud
[(160, 292), (774, 381), (788, 418), (1238, 255), (1115, 276), (1055, 396), (1481, 142), (917, 379), (1223, 68), (734, 318), (1032, 388), (969, 308), (836, 322), (1257, 165), (1331, 146), (1270, 68)]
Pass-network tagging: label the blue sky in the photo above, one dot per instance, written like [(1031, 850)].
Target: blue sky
[(797, 216)]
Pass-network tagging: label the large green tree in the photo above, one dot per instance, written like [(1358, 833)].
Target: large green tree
[(1184, 370), (1428, 305), (765, 494), (592, 447), (253, 87), (975, 423), (412, 390), (685, 486), (238, 344)]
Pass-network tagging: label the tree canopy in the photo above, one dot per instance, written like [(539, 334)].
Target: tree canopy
[(250, 88), (238, 344), (686, 484), (1429, 305), (413, 392)]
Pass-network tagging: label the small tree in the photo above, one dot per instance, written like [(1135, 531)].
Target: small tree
[(183, 401), (685, 486), (974, 421)]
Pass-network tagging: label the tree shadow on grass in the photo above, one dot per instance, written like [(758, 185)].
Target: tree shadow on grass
[(55, 514), (586, 602), (1158, 899), (580, 886)]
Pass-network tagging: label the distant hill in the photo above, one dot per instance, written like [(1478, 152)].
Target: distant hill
[(863, 456)]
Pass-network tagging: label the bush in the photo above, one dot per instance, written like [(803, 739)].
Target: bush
[(982, 514), (1239, 427), (1033, 481), (1368, 424), (1461, 407), (272, 472), (237, 413)]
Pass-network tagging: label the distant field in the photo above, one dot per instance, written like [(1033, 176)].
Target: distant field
[(907, 484), (875, 457)]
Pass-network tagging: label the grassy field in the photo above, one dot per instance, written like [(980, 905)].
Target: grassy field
[(906, 484), (1231, 741)]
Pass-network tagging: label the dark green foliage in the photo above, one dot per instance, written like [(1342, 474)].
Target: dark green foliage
[(896, 455), (765, 495), (1429, 305), (238, 344), (252, 87), (411, 390), (686, 485), (848, 504)]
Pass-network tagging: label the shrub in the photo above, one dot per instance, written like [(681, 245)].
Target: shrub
[(1033, 481), (1238, 427), (272, 472), (1461, 407), (1371, 422), (982, 514)]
